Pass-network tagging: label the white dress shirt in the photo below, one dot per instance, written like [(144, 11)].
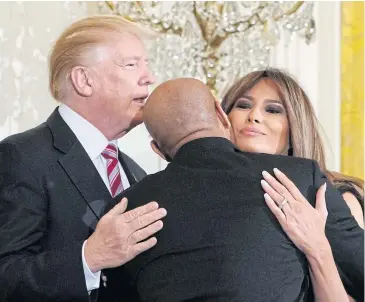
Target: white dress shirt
[(94, 143)]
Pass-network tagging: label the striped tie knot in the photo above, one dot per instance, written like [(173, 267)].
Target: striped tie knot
[(110, 154)]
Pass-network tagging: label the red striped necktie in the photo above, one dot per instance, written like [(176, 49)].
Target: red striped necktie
[(110, 153)]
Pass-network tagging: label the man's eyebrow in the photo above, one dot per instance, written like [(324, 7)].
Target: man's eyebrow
[(131, 58), (122, 60)]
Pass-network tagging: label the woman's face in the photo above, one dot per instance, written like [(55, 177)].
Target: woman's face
[(259, 120)]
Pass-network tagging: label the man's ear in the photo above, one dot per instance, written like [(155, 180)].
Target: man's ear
[(156, 149), (222, 115), (81, 81)]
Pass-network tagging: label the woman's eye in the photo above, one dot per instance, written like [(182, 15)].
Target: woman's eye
[(243, 105), (274, 110)]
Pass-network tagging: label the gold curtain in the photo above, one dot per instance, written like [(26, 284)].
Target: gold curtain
[(352, 88)]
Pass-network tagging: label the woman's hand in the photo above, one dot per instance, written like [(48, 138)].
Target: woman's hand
[(304, 224)]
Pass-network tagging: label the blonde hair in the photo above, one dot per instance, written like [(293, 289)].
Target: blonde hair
[(75, 42), (305, 139)]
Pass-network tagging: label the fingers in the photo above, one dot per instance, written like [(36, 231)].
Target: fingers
[(142, 234), (278, 187), (133, 214), (275, 196), (146, 219), (321, 200), (288, 184), (120, 207), (275, 209), (144, 246)]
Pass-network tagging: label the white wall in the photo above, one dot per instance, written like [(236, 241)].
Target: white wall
[(317, 67), (27, 30)]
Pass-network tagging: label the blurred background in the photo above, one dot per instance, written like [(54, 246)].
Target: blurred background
[(320, 43)]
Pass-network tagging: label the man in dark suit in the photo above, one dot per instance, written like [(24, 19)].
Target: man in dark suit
[(56, 178), (220, 242)]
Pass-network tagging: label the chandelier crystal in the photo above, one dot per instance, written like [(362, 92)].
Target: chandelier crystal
[(215, 41)]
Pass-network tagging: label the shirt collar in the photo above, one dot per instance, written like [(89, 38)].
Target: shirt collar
[(91, 139)]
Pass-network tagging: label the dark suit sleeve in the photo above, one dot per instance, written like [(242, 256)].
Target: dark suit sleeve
[(29, 271), (346, 238)]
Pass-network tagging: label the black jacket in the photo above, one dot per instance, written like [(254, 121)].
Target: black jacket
[(50, 197), (220, 242)]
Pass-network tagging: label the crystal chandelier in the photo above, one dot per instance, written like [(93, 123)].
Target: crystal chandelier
[(214, 41)]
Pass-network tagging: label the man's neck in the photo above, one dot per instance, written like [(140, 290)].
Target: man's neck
[(196, 135), (88, 113)]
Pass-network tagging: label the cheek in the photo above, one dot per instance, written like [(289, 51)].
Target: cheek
[(237, 119), (126, 88), (285, 129), (280, 133), (122, 92), (111, 84)]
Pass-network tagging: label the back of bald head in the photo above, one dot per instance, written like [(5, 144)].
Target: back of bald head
[(177, 109)]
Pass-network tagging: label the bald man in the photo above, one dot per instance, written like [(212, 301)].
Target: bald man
[(220, 242)]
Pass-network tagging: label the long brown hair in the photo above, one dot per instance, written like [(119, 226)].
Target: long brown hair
[(305, 139), (349, 184)]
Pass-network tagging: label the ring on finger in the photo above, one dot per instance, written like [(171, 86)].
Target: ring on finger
[(283, 203)]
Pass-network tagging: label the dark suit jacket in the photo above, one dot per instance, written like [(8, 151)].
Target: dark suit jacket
[(50, 195), (220, 242)]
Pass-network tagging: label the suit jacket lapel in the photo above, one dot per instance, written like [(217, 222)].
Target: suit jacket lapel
[(82, 172), (131, 177), (78, 166)]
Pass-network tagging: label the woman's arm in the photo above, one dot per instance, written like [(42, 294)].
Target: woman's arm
[(305, 226), (326, 281)]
